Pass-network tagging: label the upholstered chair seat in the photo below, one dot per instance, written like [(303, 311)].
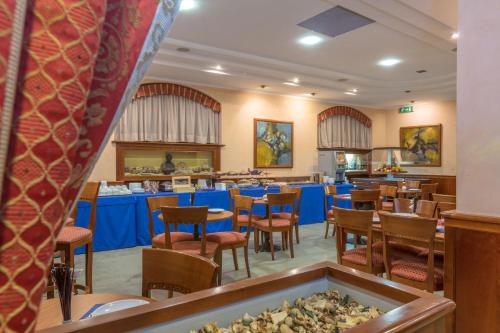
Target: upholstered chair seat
[(416, 270), (159, 240), (74, 234), (358, 255), (227, 238), (194, 247), (277, 223)]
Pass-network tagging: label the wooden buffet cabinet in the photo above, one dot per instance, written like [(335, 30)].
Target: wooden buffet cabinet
[(406, 309), (156, 151)]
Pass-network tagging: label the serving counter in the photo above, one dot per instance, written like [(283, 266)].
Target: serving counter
[(405, 309)]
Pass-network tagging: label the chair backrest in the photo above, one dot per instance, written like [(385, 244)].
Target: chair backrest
[(409, 230), (444, 198), (365, 199), (154, 204), (234, 191), (329, 190), (388, 191), (281, 200), (444, 206), (428, 190), (412, 183), (180, 272), (402, 205), (245, 204), (89, 194), (186, 215), (356, 222), (297, 191), (426, 208)]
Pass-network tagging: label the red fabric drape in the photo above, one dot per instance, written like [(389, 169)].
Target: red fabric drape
[(76, 62)]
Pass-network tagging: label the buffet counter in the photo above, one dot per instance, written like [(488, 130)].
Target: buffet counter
[(402, 308)]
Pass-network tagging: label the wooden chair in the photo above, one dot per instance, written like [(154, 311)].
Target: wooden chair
[(329, 190), (389, 193), (194, 216), (443, 206), (154, 205), (427, 191), (236, 239), (444, 198), (234, 191), (359, 223), (176, 271), (415, 271), (426, 208), (71, 237), (285, 215), (412, 183), (272, 224), (365, 199), (403, 205)]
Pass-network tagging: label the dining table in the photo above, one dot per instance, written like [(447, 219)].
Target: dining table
[(211, 217), (50, 314)]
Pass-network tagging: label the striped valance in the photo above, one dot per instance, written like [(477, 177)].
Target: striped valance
[(154, 89), (345, 111)]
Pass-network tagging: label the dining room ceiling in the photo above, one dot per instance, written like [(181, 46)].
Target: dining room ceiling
[(255, 43)]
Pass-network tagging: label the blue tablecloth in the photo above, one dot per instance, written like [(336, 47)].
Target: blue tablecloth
[(122, 221)]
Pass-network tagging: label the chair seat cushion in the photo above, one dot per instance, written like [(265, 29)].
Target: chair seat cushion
[(194, 247), (227, 238), (284, 215), (159, 240), (277, 223), (330, 214), (243, 219), (416, 270), (358, 256), (74, 234)]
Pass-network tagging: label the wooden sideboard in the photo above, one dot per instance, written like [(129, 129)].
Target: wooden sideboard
[(446, 184), (472, 272)]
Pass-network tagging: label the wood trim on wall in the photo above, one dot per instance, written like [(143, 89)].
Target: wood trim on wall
[(447, 184)]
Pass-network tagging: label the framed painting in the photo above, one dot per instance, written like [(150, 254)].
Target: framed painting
[(273, 144), (422, 145)]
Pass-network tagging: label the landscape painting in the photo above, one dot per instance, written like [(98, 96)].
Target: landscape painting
[(422, 145), (273, 144)]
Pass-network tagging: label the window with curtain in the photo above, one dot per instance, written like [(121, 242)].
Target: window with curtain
[(170, 113), (344, 127)]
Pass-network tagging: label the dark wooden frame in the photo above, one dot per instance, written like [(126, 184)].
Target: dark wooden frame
[(440, 145), (255, 144), (122, 146), (422, 311)]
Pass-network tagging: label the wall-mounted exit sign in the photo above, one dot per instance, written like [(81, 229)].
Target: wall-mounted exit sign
[(406, 109)]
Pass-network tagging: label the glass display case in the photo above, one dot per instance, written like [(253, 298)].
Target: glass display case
[(357, 161), (161, 161)]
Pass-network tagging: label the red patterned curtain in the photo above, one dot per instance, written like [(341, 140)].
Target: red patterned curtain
[(67, 70)]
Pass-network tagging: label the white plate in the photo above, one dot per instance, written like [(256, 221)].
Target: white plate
[(215, 210), (117, 306)]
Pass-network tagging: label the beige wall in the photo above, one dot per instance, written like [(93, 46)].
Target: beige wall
[(238, 111), (427, 113)]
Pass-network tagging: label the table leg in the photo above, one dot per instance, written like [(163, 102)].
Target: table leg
[(266, 244)]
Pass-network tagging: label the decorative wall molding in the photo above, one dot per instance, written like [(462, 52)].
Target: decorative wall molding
[(165, 88), (342, 110)]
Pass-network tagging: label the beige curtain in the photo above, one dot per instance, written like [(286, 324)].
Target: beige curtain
[(344, 132), (169, 119)]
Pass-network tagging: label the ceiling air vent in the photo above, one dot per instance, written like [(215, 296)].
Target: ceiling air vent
[(342, 80), (335, 21), (421, 71)]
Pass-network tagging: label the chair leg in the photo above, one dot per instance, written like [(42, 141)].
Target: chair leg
[(297, 231), (290, 234), (333, 231), (256, 240), (89, 254), (271, 243), (235, 258), (245, 249), (218, 261), (326, 229)]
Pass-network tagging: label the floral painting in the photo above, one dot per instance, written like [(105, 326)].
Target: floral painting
[(273, 144), (422, 145)]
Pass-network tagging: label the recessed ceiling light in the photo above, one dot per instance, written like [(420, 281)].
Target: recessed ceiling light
[(455, 35), (310, 40), (388, 62), (218, 67), (183, 49), (188, 5), (350, 93), (354, 90), (295, 80), (214, 71), (293, 84)]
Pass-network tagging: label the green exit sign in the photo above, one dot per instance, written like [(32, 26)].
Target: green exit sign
[(406, 109)]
